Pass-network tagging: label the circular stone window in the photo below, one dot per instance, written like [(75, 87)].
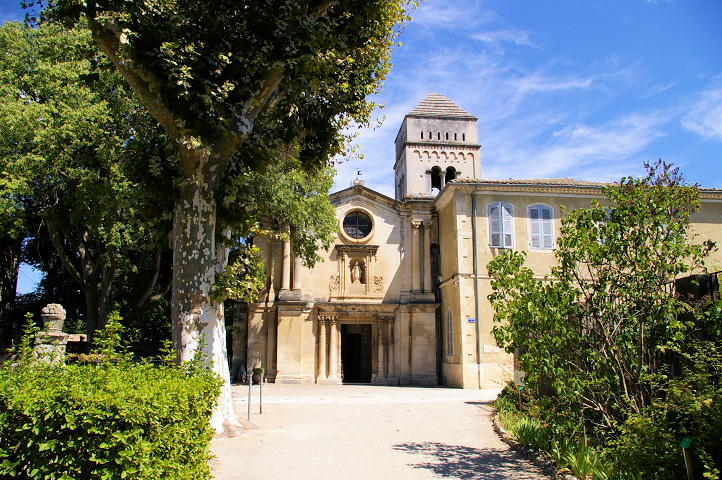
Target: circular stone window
[(357, 225)]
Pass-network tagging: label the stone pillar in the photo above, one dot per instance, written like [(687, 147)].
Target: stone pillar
[(415, 258), (380, 344), (427, 256), (286, 267), (333, 351), (297, 273), (272, 264), (390, 337), (271, 369), (322, 347)]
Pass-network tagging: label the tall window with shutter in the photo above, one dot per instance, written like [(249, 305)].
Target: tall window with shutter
[(501, 223), (541, 227)]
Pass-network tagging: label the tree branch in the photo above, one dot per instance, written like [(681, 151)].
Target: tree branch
[(153, 279), (55, 238), (111, 40)]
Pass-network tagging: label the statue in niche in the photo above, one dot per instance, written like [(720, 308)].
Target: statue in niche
[(356, 273)]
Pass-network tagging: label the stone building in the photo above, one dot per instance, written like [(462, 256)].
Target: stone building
[(401, 296)]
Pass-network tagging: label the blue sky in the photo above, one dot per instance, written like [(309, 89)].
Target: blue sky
[(582, 89)]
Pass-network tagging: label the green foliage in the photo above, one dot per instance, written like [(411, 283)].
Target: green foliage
[(691, 406), (285, 201), (74, 145), (27, 342), (243, 278), (599, 327), (115, 419), (561, 441), (328, 54), (604, 336)]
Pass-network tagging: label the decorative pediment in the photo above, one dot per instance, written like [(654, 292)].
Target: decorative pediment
[(357, 250)]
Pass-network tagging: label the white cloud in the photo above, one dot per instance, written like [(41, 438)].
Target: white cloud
[(579, 150), (705, 116), (538, 82), (497, 37), (452, 15)]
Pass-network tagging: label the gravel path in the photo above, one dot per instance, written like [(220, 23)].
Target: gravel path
[(367, 432)]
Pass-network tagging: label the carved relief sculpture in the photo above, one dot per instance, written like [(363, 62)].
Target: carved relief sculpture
[(379, 282), (333, 285)]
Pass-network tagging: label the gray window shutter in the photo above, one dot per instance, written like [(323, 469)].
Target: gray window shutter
[(534, 222), (508, 226), (495, 225), (547, 228)]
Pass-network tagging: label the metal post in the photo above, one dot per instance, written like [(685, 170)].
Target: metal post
[(260, 396), (685, 444), (250, 384)]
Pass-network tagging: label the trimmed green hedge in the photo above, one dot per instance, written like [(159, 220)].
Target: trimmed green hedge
[(111, 420)]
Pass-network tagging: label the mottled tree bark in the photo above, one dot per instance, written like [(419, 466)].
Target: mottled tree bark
[(197, 319)]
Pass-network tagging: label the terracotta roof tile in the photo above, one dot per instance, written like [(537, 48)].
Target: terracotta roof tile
[(435, 105), (535, 181)]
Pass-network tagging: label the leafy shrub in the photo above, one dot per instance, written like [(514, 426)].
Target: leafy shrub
[(691, 407), (115, 419)]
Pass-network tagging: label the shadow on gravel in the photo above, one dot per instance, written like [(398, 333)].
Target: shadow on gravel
[(455, 461)]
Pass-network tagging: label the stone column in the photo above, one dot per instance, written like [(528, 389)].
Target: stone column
[(333, 351), (415, 258), (427, 256), (390, 337), (286, 267), (322, 346), (380, 344), (271, 344), (297, 273)]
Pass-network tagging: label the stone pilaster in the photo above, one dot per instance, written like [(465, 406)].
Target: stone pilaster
[(427, 256), (415, 256), (392, 358), (333, 376), (322, 349)]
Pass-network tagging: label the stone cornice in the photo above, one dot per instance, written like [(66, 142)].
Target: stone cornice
[(442, 144), (407, 205), (438, 146), (517, 187), (371, 249), (483, 187), (710, 194), (337, 309)]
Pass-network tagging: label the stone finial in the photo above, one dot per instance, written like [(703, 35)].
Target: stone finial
[(53, 316)]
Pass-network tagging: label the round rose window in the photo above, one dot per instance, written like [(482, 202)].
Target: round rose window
[(357, 225)]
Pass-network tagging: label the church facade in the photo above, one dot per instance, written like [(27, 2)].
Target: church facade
[(401, 296)]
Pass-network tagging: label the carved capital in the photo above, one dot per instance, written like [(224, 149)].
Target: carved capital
[(427, 224), (383, 319), (416, 224)]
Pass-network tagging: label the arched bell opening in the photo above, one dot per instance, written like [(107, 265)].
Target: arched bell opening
[(450, 174), (436, 179)]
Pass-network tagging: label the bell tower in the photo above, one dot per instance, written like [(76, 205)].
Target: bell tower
[(437, 142)]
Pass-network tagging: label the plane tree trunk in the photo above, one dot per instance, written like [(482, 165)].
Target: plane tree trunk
[(198, 320)]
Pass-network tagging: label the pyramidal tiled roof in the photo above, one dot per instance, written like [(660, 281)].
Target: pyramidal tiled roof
[(436, 105)]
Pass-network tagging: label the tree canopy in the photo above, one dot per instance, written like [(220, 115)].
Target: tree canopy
[(72, 136), (209, 72)]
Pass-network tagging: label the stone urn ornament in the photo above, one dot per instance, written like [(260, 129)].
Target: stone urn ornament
[(53, 316)]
